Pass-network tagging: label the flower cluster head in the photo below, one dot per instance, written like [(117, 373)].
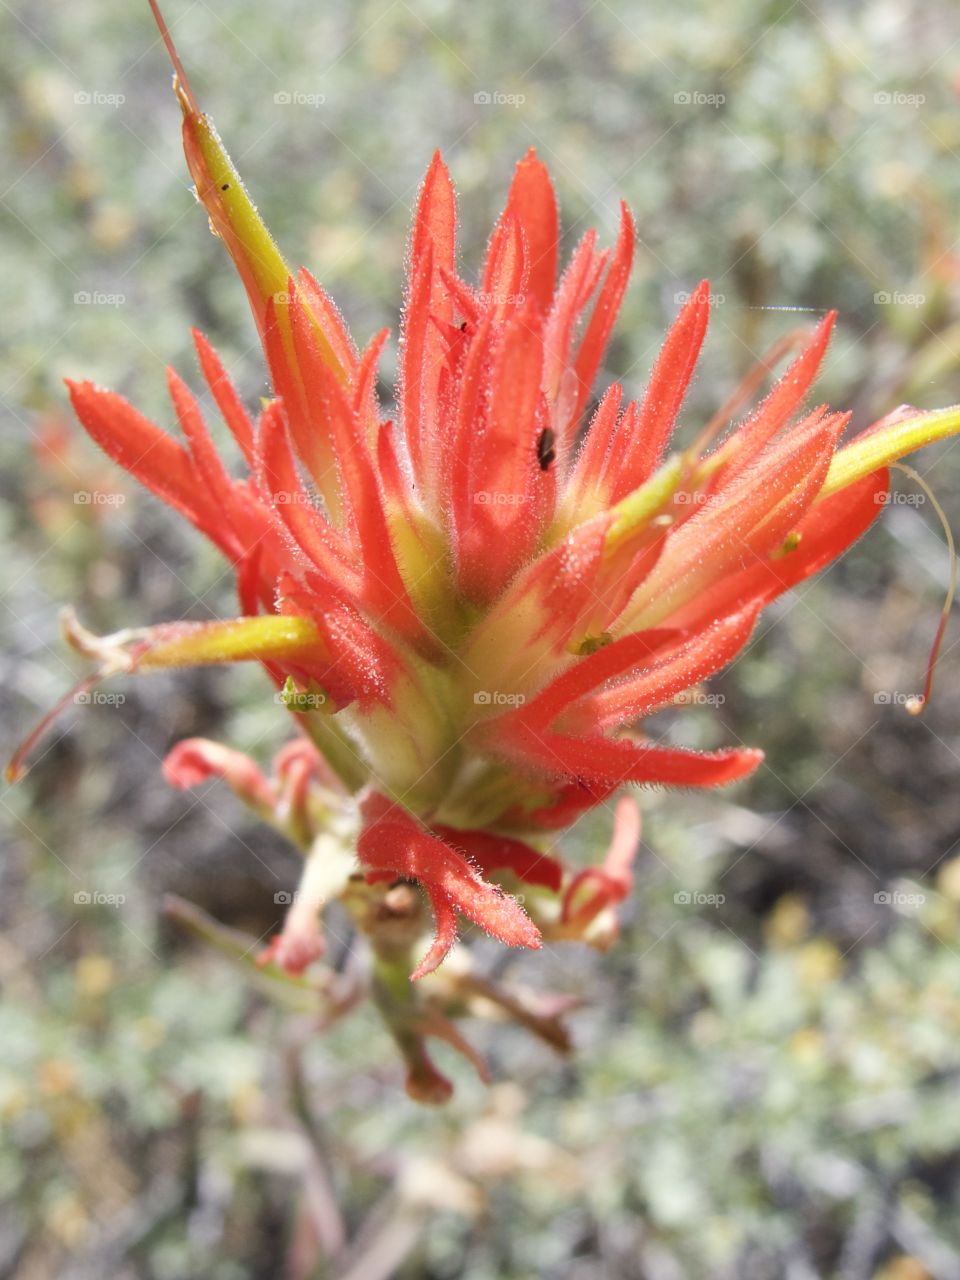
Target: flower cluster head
[(470, 600)]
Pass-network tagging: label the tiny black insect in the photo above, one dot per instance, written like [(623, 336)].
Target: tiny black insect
[(225, 187), (546, 453)]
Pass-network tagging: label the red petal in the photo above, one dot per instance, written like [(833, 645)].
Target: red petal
[(613, 762), (149, 454), (330, 323), (604, 315), (504, 276), (782, 402), (572, 799), (825, 532), (741, 524), (691, 660), (365, 388), (490, 852), (309, 430), (228, 402), (545, 605), (576, 287), (384, 591), (643, 446), (195, 760), (432, 253), (205, 457), (360, 665), (445, 932), (587, 674), (591, 460), (470, 417), (392, 841), (533, 201), (613, 881), (292, 507), (500, 533)]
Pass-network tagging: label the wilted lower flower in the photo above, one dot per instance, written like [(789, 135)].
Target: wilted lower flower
[(469, 611)]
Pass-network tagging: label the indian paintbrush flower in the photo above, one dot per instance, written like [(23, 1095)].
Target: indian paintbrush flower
[(468, 611)]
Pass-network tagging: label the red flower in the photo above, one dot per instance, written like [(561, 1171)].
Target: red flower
[(470, 610)]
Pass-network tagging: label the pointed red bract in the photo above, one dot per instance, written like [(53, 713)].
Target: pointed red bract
[(228, 402), (534, 205), (432, 260), (605, 312), (392, 842), (597, 888), (656, 415), (194, 760), (490, 852)]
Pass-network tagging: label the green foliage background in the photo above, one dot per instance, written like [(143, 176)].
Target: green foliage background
[(766, 1074)]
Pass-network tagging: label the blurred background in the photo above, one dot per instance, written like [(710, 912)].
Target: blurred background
[(766, 1069)]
